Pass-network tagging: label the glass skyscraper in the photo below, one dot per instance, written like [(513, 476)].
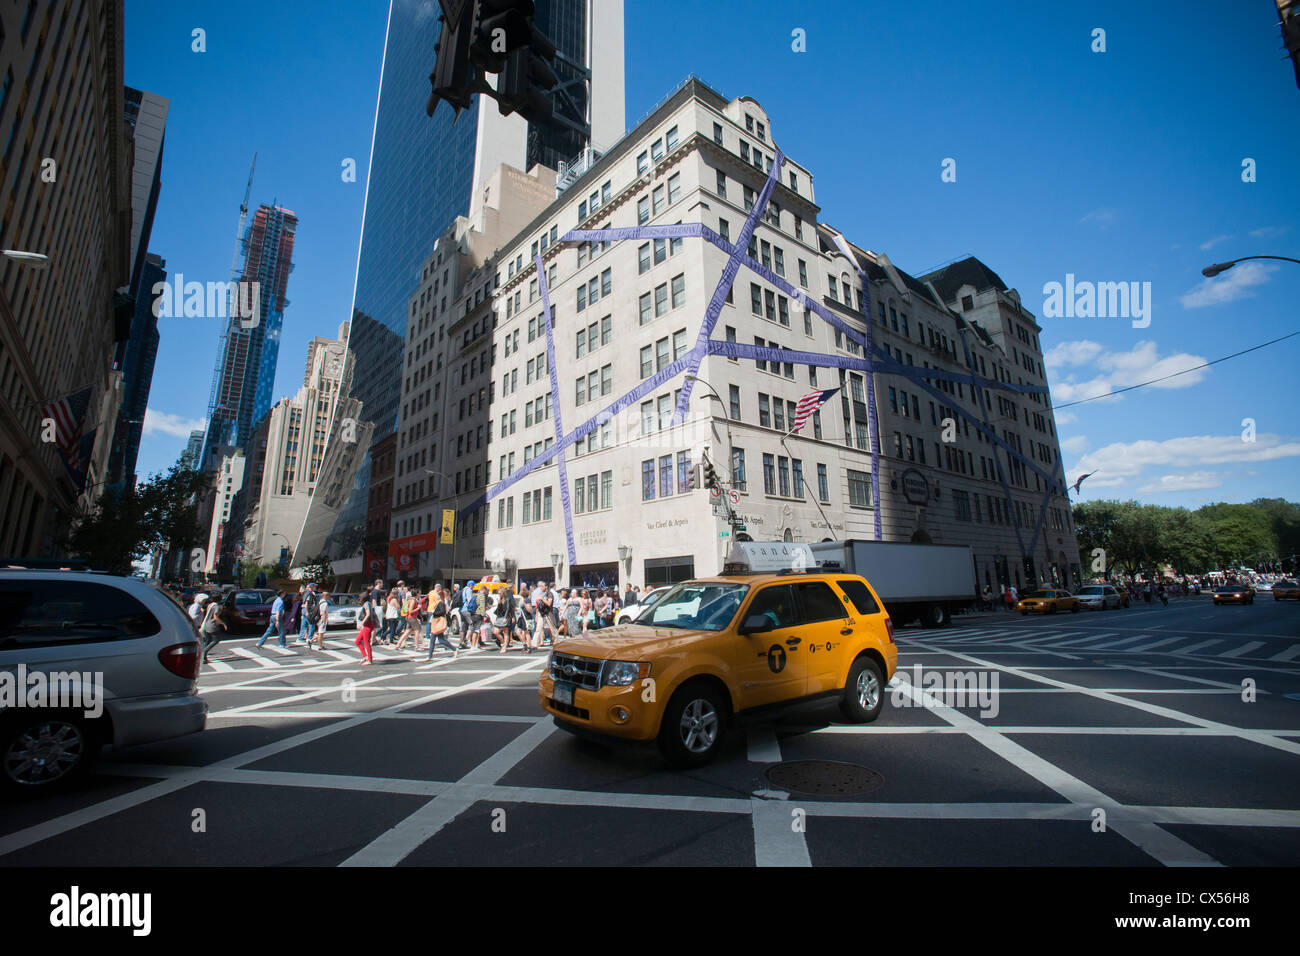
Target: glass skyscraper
[(422, 174)]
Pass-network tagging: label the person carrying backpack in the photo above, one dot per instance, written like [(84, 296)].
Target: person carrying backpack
[(311, 616)]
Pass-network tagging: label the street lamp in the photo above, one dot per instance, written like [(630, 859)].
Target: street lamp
[(1213, 270), (36, 260)]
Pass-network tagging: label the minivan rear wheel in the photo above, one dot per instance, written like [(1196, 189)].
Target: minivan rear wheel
[(44, 751)]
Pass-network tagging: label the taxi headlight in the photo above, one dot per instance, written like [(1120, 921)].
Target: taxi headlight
[(623, 673)]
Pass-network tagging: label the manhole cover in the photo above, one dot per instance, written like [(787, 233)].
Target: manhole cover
[(824, 777)]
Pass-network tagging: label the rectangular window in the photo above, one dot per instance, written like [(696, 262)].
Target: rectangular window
[(648, 480), (755, 299), (643, 210), (679, 343), (657, 194), (679, 290), (722, 185), (661, 300), (734, 395), (738, 468), (823, 485), (783, 475), (683, 471), (642, 163), (859, 489), (778, 416), (764, 410), (717, 133), (674, 187), (769, 474), (643, 258), (647, 361), (606, 491), (796, 476), (644, 304), (665, 475)]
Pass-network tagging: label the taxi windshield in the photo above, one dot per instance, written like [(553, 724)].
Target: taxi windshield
[(697, 606)]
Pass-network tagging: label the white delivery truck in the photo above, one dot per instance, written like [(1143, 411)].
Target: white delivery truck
[(924, 582)]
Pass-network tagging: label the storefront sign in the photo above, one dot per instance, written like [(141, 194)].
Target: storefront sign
[(915, 488)]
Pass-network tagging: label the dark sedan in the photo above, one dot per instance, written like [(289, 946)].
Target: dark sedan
[(248, 611), (1234, 594)]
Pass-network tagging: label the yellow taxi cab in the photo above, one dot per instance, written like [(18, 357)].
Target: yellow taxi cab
[(1286, 590), (491, 586), (723, 650), (1048, 601)]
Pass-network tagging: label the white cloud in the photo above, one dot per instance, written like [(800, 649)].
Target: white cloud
[(1237, 283), (165, 423), (1103, 216), (1075, 444), (1211, 243), (1072, 353), (1128, 459), (1119, 369), (1270, 232), (1195, 481), (1066, 418)]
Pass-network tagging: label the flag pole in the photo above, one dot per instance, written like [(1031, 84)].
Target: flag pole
[(829, 527)]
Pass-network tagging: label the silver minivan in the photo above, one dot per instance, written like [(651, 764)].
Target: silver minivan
[(86, 660)]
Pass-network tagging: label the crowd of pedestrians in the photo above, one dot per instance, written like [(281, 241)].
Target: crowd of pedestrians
[(473, 617)]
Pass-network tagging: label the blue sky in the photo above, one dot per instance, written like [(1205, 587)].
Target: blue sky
[(1123, 165)]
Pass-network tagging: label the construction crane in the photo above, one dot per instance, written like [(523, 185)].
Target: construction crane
[(213, 405)]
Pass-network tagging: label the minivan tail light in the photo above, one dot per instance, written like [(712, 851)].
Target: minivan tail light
[(889, 628), (181, 659)]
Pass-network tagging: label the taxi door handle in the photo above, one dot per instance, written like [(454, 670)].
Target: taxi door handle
[(846, 631), (793, 640)]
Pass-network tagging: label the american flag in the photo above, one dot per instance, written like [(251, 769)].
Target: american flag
[(808, 406), (69, 416)]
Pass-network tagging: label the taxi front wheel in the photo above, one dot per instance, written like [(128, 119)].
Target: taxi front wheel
[(863, 692), (692, 727)]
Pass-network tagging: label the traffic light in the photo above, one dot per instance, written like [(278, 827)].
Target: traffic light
[(710, 476), (1288, 12), (494, 36), (451, 68), (693, 478)]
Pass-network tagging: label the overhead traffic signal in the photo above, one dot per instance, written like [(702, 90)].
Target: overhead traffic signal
[(499, 37), (710, 475)]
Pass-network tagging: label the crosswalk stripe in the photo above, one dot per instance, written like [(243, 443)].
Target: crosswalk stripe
[(1195, 647), (220, 667), (1113, 644), (339, 655), (1243, 650), (1159, 643), (252, 656), (1090, 639), (1289, 654), (277, 649)]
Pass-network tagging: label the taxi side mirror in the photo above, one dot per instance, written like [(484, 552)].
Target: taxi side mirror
[(756, 624)]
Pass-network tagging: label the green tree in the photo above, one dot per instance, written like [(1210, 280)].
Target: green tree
[(128, 523), (320, 570)]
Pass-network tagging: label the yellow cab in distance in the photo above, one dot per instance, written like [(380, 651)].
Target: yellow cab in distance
[(1048, 601), (723, 650)]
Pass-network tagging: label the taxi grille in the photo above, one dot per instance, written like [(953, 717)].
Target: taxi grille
[(580, 712), (582, 671)]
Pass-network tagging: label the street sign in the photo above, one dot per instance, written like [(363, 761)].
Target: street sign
[(734, 496), (724, 534), (741, 527), (715, 491)]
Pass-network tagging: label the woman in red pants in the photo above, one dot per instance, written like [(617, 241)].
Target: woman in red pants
[(369, 621)]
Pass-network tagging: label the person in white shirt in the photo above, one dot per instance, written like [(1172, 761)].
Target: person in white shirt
[(196, 609)]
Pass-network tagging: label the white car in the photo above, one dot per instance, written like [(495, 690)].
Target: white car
[(1099, 597), (343, 611), (119, 661), (629, 614)]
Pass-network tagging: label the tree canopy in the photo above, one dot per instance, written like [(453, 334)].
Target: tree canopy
[(1263, 534)]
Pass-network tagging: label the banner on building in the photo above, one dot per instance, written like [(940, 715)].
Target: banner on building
[(448, 525)]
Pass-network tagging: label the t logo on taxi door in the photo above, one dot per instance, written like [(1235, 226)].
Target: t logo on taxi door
[(776, 658)]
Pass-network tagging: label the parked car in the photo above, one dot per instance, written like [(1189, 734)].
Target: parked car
[(629, 614), (1048, 601), (249, 611), (1234, 594), (1099, 597), (123, 655)]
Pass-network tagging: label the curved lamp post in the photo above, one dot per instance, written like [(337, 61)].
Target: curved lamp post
[(1211, 271)]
